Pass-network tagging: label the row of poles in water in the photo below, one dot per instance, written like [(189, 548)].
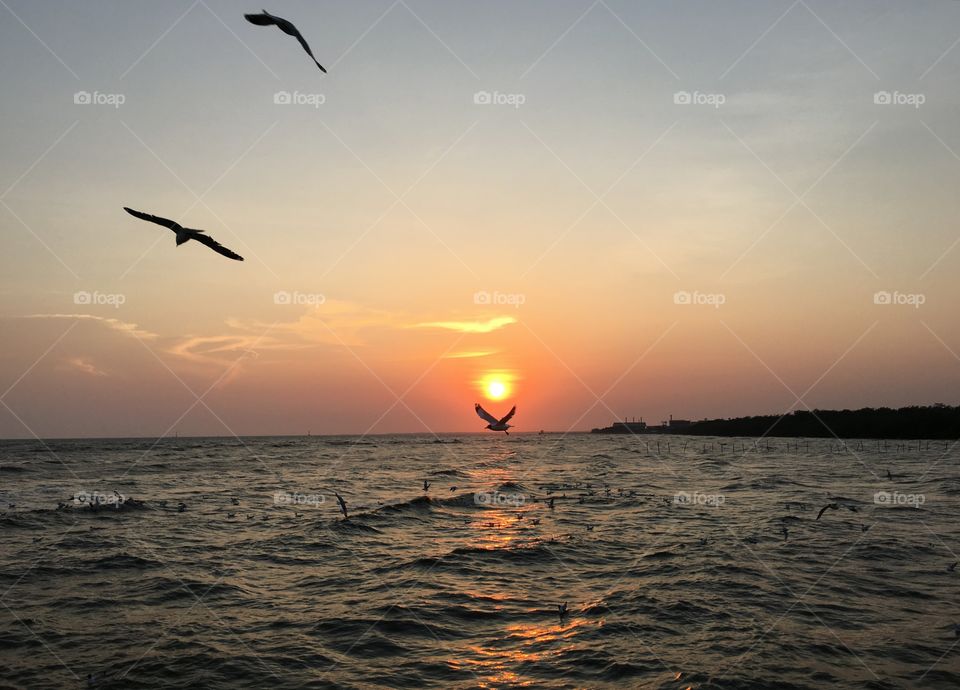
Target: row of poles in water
[(757, 447)]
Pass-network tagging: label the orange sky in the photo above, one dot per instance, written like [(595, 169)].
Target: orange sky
[(601, 245)]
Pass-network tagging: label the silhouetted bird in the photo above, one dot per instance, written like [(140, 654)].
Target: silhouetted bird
[(952, 566), (186, 234), (235, 501), (343, 505), (889, 476), (453, 488), (829, 506), (562, 610), (550, 503), (426, 485), (535, 521), (494, 423), (287, 27), (181, 507)]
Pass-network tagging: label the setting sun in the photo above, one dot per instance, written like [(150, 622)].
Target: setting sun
[(495, 385), (496, 390)]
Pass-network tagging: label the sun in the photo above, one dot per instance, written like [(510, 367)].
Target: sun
[(495, 385), (496, 389)]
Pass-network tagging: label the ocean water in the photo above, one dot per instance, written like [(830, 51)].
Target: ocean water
[(669, 553)]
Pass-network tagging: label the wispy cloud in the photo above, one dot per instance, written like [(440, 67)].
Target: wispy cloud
[(470, 354), (488, 326), (83, 364), (124, 327)]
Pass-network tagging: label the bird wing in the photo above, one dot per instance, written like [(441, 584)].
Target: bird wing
[(165, 222), (216, 246), (262, 19), (484, 414), (306, 47), (509, 415)]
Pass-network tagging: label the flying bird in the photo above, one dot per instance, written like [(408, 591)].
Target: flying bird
[(494, 423), (829, 506), (287, 27), (186, 234), (343, 505)]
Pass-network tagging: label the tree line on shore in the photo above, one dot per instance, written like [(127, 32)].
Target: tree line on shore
[(916, 422)]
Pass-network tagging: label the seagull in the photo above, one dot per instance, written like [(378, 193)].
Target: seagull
[(343, 504), (889, 476), (829, 506), (496, 424), (952, 566), (426, 485), (785, 532), (562, 610), (180, 507), (186, 234), (287, 27), (453, 488)]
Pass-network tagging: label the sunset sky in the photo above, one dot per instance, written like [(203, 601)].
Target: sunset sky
[(407, 242)]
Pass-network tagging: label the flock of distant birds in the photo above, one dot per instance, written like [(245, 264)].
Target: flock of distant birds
[(588, 491), (186, 234)]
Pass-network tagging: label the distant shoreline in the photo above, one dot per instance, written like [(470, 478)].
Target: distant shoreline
[(931, 422)]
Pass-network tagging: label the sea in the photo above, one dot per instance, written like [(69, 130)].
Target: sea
[(479, 561)]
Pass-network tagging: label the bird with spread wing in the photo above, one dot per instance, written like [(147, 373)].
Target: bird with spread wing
[(287, 27), (186, 234), (494, 423)]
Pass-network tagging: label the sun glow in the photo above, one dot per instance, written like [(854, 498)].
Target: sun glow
[(495, 386), (496, 390)]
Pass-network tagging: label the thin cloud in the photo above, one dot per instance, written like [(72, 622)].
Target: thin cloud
[(489, 326), (470, 354), (124, 327), (84, 365)]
